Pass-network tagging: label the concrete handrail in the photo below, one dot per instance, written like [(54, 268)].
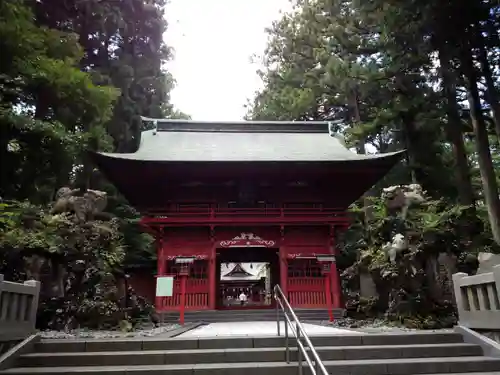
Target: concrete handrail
[(478, 299), (18, 309)]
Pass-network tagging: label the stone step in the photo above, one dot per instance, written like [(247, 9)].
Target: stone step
[(214, 316), (251, 311), (137, 344), (171, 357), (238, 319), (241, 319), (405, 366)]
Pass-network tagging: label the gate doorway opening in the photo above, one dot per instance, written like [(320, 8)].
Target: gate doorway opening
[(252, 271)]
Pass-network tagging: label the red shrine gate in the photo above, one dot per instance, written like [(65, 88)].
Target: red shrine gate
[(308, 281), (209, 190)]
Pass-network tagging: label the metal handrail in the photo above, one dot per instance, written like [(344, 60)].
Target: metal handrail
[(315, 364)]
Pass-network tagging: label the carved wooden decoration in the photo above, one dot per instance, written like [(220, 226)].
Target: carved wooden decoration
[(247, 240)]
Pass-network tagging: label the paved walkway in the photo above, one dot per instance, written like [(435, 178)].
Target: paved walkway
[(259, 329)]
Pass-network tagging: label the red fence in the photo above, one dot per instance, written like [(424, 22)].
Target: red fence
[(197, 288), (197, 291), (306, 292)]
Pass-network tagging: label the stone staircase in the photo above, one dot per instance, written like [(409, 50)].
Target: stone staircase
[(368, 354), (257, 315)]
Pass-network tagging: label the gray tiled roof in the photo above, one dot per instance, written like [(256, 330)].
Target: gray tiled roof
[(219, 145)]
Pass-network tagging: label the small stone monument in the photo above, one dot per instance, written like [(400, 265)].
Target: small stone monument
[(487, 261)]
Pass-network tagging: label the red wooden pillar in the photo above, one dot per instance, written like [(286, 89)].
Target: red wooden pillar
[(334, 274), (182, 303), (160, 264), (283, 261), (183, 274), (212, 278), (283, 270)]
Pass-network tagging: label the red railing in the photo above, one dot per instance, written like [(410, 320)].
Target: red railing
[(306, 292), (197, 291), (217, 214)]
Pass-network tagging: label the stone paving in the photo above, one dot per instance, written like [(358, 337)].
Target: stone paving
[(258, 329)]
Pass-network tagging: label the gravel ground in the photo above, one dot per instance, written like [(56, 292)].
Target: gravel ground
[(371, 326), (95, 334)]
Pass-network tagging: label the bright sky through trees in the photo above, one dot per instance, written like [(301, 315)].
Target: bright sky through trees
[(214, 41)]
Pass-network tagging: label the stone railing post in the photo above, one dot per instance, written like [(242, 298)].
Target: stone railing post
[(18, 309), (34, 301), (459, 296), (478, 299), (496, 277)]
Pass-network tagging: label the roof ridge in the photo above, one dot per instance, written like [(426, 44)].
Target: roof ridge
[(171, 125)]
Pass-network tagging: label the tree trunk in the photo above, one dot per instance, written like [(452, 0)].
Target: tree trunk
[(361, 149), (488, 177), (84, 40), (410, 135), (42, 104), (409, 132), (491, 90), (454, 132)]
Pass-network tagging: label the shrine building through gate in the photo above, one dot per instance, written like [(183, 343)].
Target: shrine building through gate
[(274, 192)]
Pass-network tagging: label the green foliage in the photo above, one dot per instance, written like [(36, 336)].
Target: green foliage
[(408, 292), (346, 60), (74, 77), (124, 47), (33, 228), (398, 75), (78, 264), (50, 110)]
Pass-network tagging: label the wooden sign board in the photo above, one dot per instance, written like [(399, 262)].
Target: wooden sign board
[(326, 258), (184, 260), (165, 286)]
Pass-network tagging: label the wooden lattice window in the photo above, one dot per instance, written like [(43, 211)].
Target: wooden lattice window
[(304, 268), (198, 270)]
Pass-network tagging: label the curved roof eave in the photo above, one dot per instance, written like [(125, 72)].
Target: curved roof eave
[(359, 158), (242, 147)]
